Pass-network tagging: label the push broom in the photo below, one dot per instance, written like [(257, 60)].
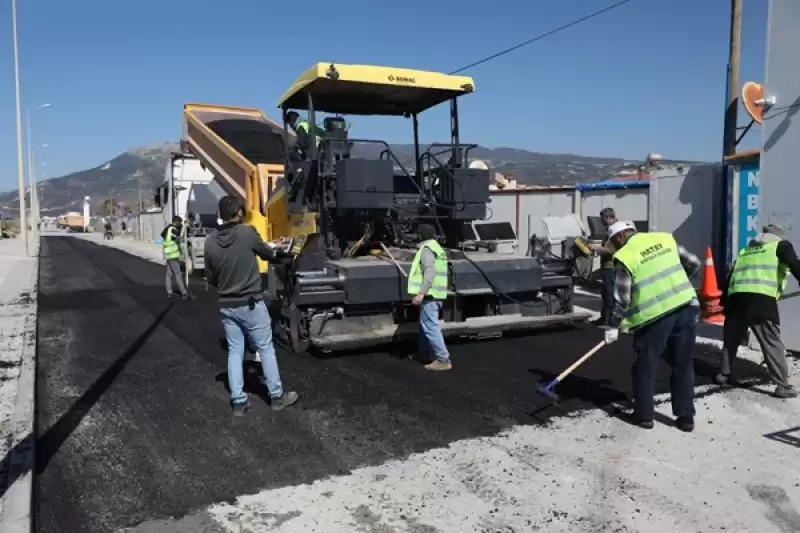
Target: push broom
[(547, 390)]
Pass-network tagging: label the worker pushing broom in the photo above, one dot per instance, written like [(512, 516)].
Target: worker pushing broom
[(655, 301)]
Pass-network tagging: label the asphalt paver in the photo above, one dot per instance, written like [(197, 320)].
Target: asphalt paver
[(133, 422)]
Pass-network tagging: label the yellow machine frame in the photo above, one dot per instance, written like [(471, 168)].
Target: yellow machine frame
[(372, 90)]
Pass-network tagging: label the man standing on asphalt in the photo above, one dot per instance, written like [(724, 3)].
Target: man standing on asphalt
[(427, 281), (606, 252), (231, 267), (171, 247), (655, 300), (755, 284)]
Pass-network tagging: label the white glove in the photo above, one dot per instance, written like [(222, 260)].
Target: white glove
[(612, 335)]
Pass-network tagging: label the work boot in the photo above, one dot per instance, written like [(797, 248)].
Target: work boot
[(284, 401), (785, 392), (439, 366), (729, 380), (644, 423), (685, 423), (239, 409)]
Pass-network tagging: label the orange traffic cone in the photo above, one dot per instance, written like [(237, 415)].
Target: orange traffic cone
[(710, 308)]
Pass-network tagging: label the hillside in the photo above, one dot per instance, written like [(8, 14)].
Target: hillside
[(142, 169), (529, 168), (120, 178)]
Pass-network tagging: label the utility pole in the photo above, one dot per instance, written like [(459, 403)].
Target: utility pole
[(731, 113), (23, 224), (32, 181), (139, 225)]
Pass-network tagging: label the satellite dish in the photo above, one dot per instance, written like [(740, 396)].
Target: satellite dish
[(753, 100)]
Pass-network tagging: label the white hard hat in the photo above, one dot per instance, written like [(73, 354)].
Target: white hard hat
[(618, 227)]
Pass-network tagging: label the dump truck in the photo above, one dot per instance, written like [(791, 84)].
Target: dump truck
[(350, 218), (73, 222), (243, 149)]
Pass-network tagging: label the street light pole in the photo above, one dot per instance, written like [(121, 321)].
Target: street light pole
[(32, 170), (23, 226)]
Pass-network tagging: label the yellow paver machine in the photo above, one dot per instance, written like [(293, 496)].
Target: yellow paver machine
[(351, 206)]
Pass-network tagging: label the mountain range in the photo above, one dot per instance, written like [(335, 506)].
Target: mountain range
[(132, 176)]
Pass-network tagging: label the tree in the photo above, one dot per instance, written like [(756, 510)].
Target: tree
[(109, 206)]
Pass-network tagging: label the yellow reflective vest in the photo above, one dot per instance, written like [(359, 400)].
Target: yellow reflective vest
[(758, 270), (438, 289), (659, 282), (170, 247)]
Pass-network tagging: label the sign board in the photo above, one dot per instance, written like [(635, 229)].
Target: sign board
[(748, 205), (743, 207)]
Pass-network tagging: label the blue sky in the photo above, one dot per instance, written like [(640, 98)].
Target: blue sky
[(646, 77)]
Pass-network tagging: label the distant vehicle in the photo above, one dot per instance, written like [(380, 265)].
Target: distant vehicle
[(71, 222)]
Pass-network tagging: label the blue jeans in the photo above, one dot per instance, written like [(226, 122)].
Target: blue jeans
[(430, 336), (609, 278), (241, 324), (673, 337)]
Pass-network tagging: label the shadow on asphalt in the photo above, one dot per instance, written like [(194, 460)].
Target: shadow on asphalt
[(48, 444)]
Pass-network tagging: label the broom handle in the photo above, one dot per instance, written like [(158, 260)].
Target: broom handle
[(580, 361)]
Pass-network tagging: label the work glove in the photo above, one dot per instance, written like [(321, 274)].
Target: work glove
[(281, 245), (612, 335)]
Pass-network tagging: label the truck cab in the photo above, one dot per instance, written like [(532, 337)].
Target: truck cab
[(189, 191)]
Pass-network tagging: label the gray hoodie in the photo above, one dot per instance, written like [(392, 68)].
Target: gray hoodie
[(231, 266)]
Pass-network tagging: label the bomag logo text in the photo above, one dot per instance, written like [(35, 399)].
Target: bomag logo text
[(402, 79)]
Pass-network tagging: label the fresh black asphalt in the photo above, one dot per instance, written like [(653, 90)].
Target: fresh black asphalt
[(133, 422)]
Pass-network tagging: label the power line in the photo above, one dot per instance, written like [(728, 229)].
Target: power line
[(542, 36)]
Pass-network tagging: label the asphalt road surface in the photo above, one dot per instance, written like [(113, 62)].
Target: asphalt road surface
[(133, 422)]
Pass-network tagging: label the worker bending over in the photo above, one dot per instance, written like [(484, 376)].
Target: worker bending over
[(302, 130), (655, 300), (755, 284), (171, 247), (427, 281), (231, 267), (606, 252)]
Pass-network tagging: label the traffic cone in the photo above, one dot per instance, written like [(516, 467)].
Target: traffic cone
[(710, 308)]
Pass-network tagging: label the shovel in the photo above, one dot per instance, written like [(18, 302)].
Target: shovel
[(547, 391)]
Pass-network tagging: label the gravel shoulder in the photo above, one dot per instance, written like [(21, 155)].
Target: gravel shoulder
[(18, 297)]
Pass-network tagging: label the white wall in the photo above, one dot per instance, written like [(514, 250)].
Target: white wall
[(628, 204), (526, 208), (685, 204), (777, 179)]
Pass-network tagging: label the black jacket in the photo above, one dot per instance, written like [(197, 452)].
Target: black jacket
[(754, 308), (231, 265), (174, 229)]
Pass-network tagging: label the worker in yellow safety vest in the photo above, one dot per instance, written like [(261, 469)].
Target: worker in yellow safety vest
[(302, 129), (171, 249), (655, 301), (756, 282), (427, 282)]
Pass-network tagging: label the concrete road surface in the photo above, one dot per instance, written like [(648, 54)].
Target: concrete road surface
[(134, 429)]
